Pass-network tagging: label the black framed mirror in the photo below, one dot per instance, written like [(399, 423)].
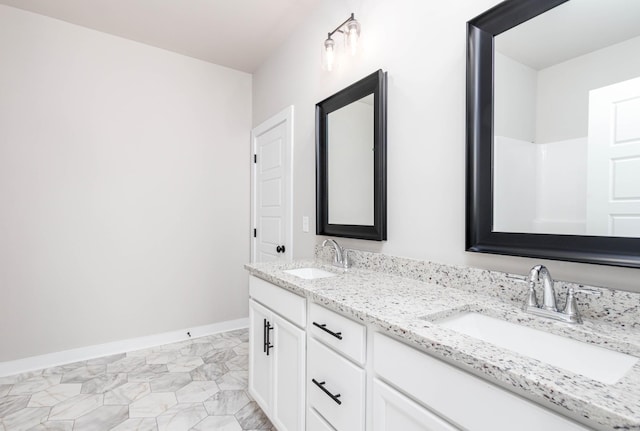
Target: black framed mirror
[(351, 161), (610, 236)]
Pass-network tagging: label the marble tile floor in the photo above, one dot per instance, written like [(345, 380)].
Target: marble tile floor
[(198, 384)]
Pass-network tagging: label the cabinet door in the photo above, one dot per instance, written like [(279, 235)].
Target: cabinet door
[(288, 376), (260, 375), (393, 411)]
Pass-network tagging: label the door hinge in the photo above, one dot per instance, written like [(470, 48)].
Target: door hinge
[(255, 158), (255, 233)]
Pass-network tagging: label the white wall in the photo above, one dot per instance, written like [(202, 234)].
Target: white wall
[(423, 47), (124, 188)]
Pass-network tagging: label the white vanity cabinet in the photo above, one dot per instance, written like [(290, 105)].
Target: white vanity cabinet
[(464, 400), (277, 319)]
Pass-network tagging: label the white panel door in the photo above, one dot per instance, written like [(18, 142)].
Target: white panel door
[(613, 183), (393, 411), (271, 189)]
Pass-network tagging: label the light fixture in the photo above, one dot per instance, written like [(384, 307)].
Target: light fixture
[(351, 31)]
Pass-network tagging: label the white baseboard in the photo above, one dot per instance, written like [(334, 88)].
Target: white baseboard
[(84, 353)]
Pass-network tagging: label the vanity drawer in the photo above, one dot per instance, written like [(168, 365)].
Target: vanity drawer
[(341, 333), (316, 423), (458, 396), (289, 305), (329, 374)]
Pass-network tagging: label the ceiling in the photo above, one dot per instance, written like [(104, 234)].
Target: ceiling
[(572, 29), (239, 34)]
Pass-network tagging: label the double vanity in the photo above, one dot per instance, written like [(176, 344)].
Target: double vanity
[(394, 344)]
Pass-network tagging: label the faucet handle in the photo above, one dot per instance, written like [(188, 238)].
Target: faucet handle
[(346, 261), (592, 292), (532, 298), (518, 278), (571, 307)]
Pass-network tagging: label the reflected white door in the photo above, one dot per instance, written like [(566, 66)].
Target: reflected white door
[(271, 201), (613, 183)]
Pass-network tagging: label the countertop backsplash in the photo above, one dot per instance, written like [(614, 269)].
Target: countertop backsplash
[(613, 306)]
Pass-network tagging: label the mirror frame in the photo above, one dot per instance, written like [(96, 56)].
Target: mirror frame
[(375, 84), (480, 237)]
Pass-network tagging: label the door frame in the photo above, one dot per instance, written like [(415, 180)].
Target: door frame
[(284, 116)]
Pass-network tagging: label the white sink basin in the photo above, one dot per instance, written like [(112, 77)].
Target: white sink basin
[(594, 362), (310, 273)]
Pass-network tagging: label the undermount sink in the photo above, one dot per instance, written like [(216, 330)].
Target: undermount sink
[(595, 362), (310, 273)]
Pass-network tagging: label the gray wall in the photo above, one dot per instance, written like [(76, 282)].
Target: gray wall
[(124, 188)]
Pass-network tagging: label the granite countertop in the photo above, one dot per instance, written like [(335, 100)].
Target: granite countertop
[(406, 308)]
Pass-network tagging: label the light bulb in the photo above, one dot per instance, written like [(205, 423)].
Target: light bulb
[(352, 34), (353, 42), (329, 54)]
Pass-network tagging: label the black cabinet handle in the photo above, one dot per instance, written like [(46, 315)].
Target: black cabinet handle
[(264, 336), (323, 326), (268, 344), (321, 386), (280, 249)]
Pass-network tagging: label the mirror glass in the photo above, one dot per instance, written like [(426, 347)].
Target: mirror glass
[(350, 157), (351, 161), (566, 128)]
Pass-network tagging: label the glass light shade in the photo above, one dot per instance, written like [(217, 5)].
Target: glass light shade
[(351, 35), (328, 54)]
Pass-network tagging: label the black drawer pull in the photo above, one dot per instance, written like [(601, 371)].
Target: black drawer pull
[(323, 326), (268, 343), (264, 336), (321, 386)]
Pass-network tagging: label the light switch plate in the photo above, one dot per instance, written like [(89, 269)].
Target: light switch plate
[(305, 223)]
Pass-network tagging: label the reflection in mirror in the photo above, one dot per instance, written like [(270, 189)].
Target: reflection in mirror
[(350, 156), (567, 122)]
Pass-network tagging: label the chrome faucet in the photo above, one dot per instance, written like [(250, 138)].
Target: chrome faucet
[(341, 257), (549, 308)]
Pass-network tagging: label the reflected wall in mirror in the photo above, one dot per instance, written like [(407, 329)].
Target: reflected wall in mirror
[(351, 161), (553, 130)]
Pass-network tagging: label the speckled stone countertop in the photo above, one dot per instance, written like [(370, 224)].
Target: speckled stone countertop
[(406, 307)]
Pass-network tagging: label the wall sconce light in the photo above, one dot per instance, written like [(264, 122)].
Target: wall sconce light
[(351, 31)]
